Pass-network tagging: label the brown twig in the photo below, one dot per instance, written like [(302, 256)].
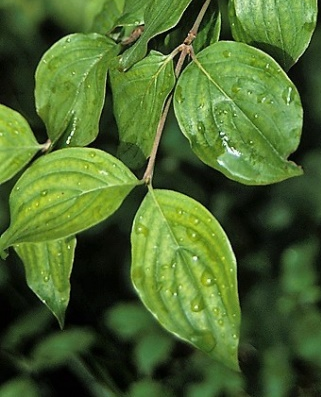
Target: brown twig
[(184, 49)]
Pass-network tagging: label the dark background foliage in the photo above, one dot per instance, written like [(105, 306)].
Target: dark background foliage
[(111, 346)]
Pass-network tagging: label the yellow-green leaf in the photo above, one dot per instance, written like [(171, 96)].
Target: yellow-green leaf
[(241, 113), (64, 193), (184, 271), (70, 87), (48, 267), (17, 143)]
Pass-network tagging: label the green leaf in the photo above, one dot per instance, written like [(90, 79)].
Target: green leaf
[(70, 87), (139, 96), (282, 29), (106, 17), (133, 14), (65, 192), (210, 28), (48, 267), (19, 386), (60, 347), (152, 350), (17, 143), (129, 320), (184, 271), (240, 112), (160, 16)]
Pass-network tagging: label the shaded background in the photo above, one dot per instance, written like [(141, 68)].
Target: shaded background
[(111, 346)]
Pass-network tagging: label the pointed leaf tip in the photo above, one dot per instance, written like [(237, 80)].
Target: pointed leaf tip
[(48, 268), (184, 271)]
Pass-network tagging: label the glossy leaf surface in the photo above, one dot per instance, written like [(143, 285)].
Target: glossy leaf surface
[(184, 271), (70, 87), (281, 28), (138, 97), (64, 193), (48, 267), (133, 13), (240, 112), (210, 28), (17, 143), (160, 16)]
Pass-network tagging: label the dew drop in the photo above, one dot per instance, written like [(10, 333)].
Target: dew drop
[(200, 127), (179, 95), (195, 258), (92, 155), (44, 193), (192, 235), (234, 336), (255, 115), (227, 54), (216, 311), (220, 322), (197, 304), (68, 40), (46, 279), (261, 98), (207, 278), (204, 340), (288, 95), (235, 88), (141, 229), (73, 73)]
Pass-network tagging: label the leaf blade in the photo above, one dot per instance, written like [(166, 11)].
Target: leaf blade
[(17, 143), (47, 200), (139, 96), (241, 113), (70, 87), (159, 17), (48, 268), (282, 30), (184, 271)]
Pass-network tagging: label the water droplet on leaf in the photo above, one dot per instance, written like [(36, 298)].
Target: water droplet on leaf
[(197, 304), (288, 95), (207, 278), (204, 340), (141, 229)]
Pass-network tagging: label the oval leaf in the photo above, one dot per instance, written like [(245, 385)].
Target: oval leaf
[(64, 193), (160, 16), (184, 271), (240, 112), (48, 267), (139, 97), (17, 143), (70, 87), (282, 29)]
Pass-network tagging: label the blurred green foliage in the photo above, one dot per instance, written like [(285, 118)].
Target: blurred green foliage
[(111, 346)]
